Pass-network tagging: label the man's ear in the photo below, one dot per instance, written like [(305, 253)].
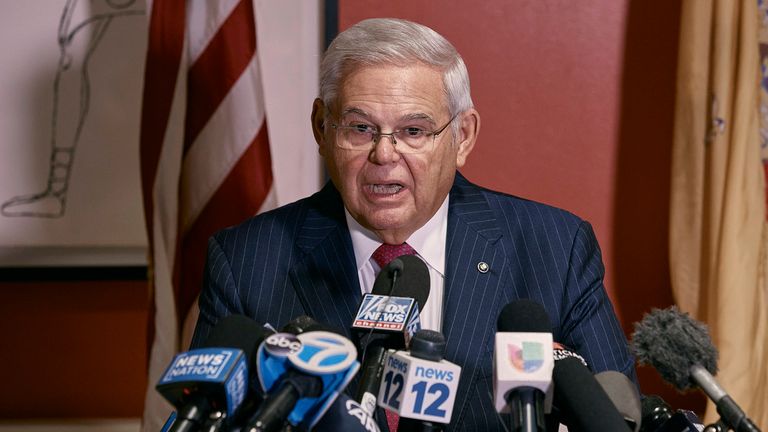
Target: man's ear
[(468, 131), (318, 123)]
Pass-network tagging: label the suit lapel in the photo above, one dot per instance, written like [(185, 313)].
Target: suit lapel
[(325, 276), (475, 269)]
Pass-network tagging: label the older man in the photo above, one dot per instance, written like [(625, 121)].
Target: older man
[(394, 122)]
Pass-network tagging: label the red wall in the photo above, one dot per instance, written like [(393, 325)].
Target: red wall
[(73, 349), (576, 101)]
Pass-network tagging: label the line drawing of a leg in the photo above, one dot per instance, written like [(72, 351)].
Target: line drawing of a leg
[(51, 202)]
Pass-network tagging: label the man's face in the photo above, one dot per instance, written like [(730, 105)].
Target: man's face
[(390, 193)]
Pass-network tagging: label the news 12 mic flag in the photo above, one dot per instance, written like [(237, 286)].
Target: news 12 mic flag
[(205, 156), (417, 388)]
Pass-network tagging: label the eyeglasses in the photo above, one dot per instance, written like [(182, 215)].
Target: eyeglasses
[(362, 136)]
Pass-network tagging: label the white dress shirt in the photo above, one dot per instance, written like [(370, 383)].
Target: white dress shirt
[(429, 244)]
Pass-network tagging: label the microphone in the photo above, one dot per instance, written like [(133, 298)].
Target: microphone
[(302, 324), (624, 395), (680, 349), (522, 365), (302, 374), (391, 311), (219, 421), (212, 378), (582, 402), (400, 290), (420, 386), (658, 417), (347, 415)]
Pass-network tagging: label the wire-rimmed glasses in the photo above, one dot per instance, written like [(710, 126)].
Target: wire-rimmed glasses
[(358, 135)]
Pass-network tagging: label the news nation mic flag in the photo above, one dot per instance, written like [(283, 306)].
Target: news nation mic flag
[(718, 258), (205, 157)]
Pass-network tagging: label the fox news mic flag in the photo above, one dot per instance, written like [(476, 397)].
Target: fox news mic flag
[(205, 160)]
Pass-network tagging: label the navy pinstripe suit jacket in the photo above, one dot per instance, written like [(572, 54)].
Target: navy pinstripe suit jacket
[(298, 259)]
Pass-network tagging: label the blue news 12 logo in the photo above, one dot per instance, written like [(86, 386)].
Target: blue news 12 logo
[(417, 388), (323, 352)]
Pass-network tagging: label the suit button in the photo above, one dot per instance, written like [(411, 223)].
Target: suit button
[(483, 267)]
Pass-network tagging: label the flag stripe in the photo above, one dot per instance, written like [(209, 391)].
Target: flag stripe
[(204, 152), (203, 22), (237, 121), (166, 41), (164, 49), (241, 194), (220, 65)]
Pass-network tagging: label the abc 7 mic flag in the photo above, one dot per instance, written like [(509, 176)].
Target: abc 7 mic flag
[(419, 389), (522, 360), (324, 354)]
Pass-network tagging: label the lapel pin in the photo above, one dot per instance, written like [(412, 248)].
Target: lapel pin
[(483, 267)]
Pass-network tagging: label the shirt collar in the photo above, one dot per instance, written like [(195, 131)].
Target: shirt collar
[(428, 241)]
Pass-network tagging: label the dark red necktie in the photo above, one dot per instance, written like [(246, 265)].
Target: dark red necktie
[(387, 252), (383, 256)]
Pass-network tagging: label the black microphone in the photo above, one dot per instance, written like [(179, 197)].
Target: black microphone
[(624, 395), (388, 317), (214, 377), (302, 324), (522, 364), (582, 402), (658, 416), (680, 349)]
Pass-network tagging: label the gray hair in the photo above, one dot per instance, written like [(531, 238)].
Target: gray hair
[(395, 41)]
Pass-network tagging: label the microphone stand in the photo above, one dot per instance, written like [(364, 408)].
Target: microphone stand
[(523, 402)]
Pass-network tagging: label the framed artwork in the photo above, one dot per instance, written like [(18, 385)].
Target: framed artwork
[(71, 76)]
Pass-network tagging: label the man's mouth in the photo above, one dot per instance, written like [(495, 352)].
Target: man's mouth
[(386, 189)]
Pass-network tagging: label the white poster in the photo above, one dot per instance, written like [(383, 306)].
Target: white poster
[(71, 82), (71, 76)]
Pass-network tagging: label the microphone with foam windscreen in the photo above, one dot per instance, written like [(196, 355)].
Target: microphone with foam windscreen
[(399, 293), (522, 365), (213, 378), (387, 319), (680, 349), (624, 395)]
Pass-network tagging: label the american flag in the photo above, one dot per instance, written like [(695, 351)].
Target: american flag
[(205, 159)]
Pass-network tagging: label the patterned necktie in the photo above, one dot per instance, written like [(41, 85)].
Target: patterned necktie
[(387, 252), (383, 256)]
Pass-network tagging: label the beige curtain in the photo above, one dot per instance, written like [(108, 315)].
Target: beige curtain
[(718, 205)]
